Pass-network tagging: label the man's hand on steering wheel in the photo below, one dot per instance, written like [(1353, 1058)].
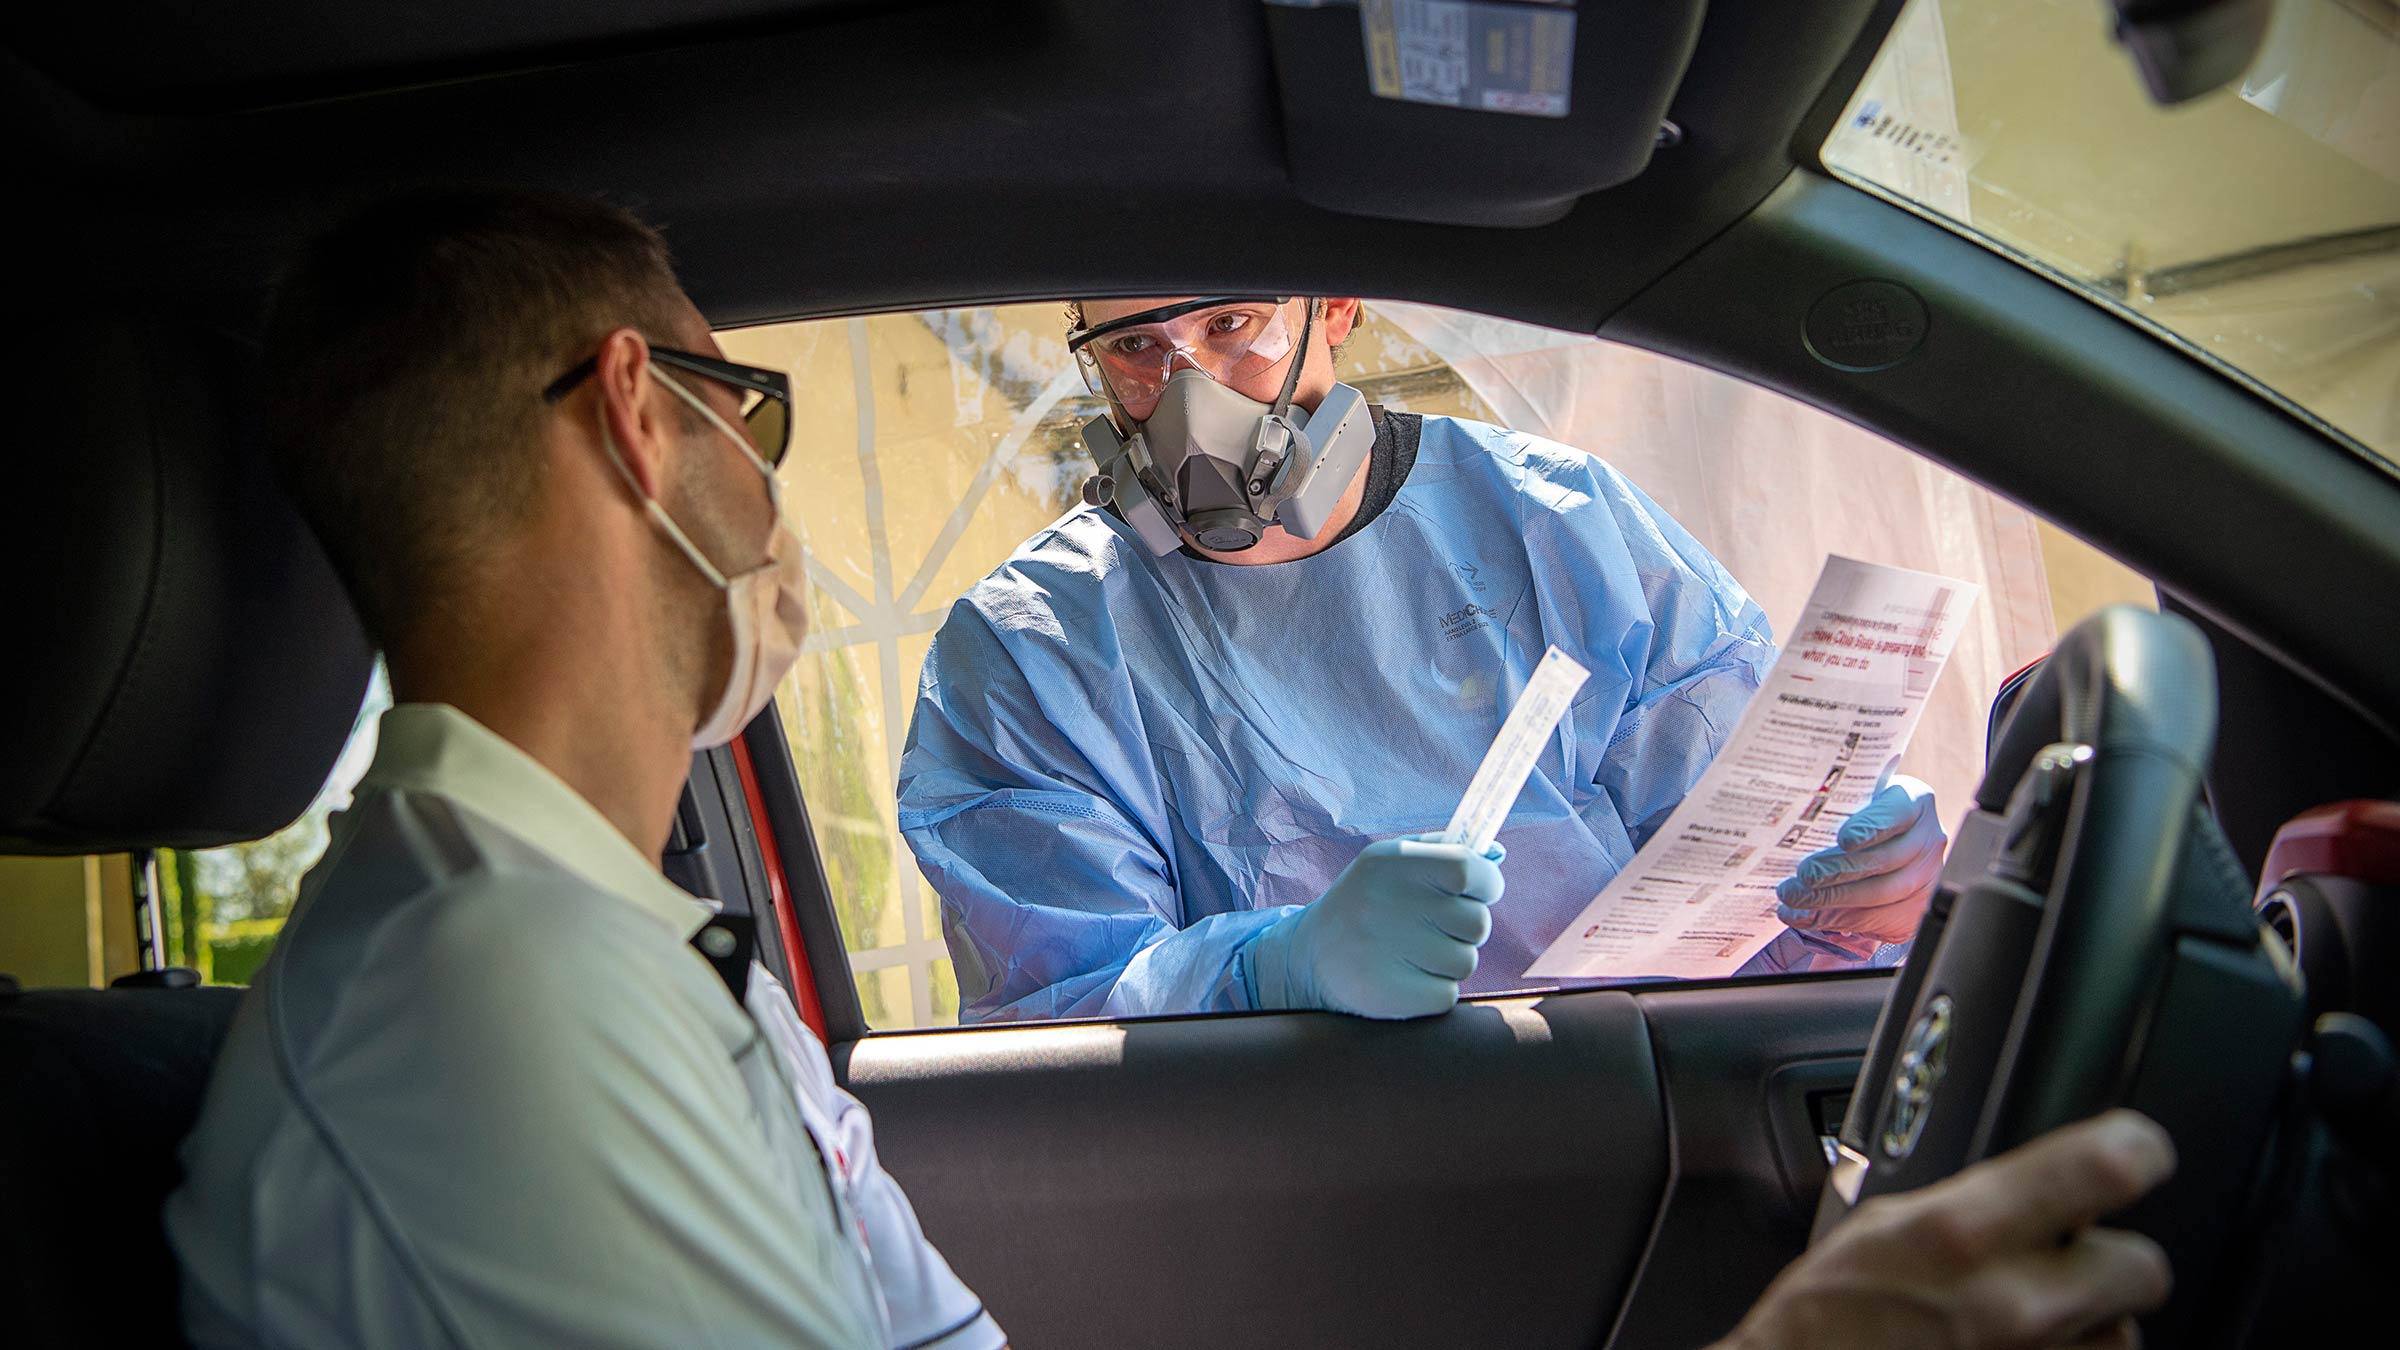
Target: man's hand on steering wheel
[(2000, 1256)]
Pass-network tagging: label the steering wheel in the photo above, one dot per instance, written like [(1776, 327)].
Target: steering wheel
[(2092, 944)]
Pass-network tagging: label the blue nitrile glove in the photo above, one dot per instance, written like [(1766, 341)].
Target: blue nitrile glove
[(1877, 879), (1392, 937)]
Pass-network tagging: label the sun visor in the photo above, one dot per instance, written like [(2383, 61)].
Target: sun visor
[(183, 667), (1473, 112)]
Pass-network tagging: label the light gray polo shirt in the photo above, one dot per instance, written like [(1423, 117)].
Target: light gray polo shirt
[(484, 1094)]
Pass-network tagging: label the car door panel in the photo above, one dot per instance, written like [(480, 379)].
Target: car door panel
[(1736, 1062), (1491, 1177), (1485, 1178)]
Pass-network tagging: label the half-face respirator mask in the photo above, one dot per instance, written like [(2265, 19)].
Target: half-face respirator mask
[(1201, 458)]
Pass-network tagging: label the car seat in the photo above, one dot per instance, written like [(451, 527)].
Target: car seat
[(198, 672)]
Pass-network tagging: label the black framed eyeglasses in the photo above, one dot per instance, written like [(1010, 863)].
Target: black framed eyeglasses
[(766, 394)]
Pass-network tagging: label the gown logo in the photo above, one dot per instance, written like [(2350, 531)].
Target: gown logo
[(1460, 622), (1474, 617)]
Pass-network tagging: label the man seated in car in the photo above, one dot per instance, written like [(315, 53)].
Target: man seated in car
[(485, 1092), (1171, 755)]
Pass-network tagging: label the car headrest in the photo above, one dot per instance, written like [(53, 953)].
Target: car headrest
[(185, 666)]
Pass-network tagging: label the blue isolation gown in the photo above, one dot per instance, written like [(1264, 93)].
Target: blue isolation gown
[(1122, 768)]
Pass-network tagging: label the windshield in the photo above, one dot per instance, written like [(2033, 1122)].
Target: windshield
[(2259, 225)]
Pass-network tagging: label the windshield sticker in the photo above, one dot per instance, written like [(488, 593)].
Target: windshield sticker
[(1504, 58)]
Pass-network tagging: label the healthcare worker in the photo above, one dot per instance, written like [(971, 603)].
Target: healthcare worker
[(1185, 749)]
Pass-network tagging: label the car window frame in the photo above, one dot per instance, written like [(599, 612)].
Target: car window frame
[(779, 801)]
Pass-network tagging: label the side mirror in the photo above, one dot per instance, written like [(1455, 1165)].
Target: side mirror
[(2186, 48)]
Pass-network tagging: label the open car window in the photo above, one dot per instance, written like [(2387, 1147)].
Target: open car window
[(221, 909), (2258, 226), (930, 447)]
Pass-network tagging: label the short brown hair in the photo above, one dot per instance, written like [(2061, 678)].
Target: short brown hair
[(405, 360)]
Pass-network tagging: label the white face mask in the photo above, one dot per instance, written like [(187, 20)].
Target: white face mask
[(765, 606)]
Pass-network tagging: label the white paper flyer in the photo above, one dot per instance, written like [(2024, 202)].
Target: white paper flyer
[(1820, 736)]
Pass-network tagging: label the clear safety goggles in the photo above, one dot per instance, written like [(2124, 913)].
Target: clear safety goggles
[(1230, 338)]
